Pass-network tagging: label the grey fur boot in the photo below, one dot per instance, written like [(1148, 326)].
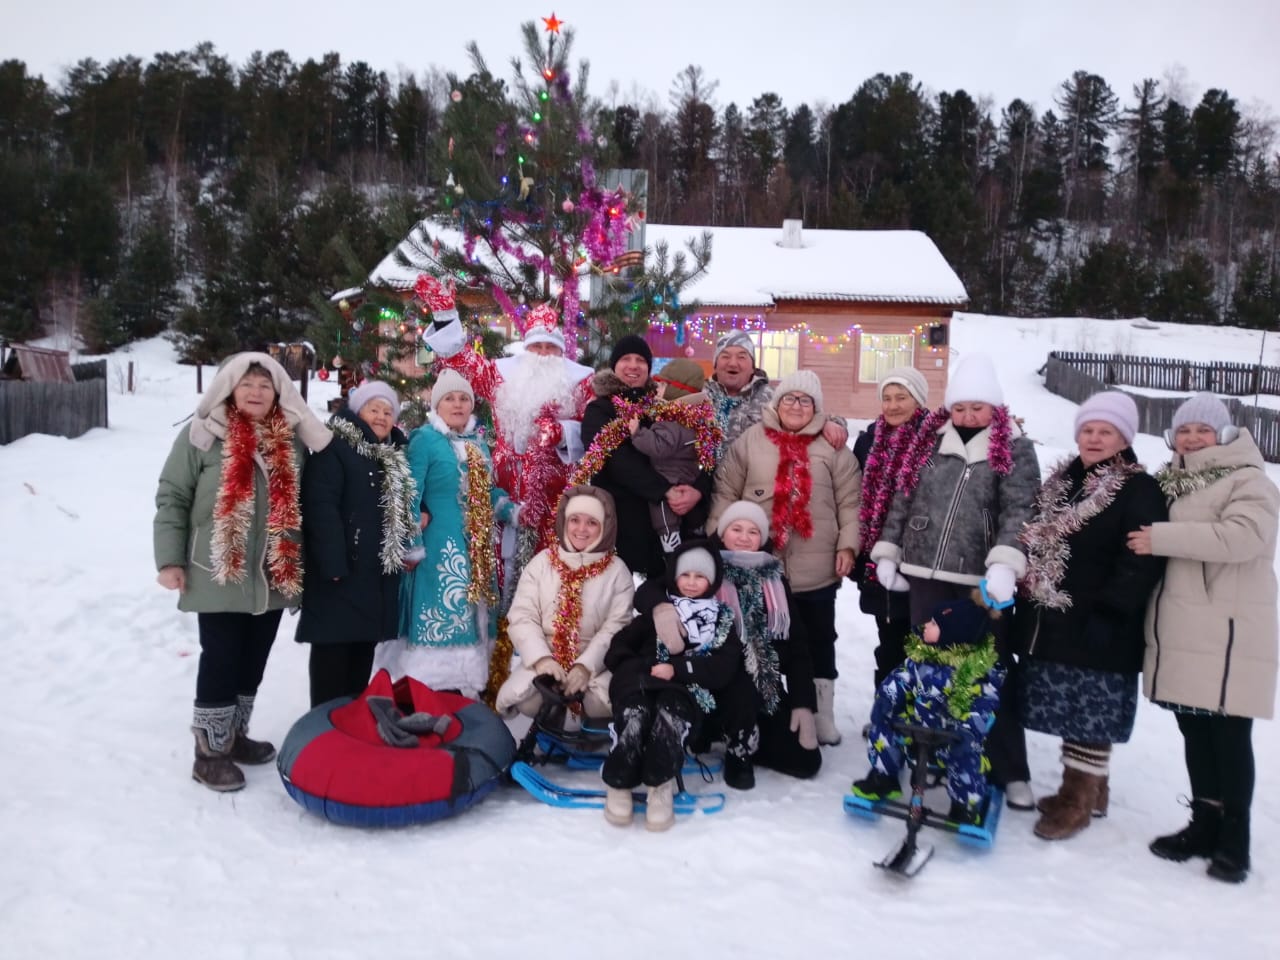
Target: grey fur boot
[(243, 749), (214, 732)]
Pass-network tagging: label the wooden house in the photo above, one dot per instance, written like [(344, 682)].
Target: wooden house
[(847, 304)]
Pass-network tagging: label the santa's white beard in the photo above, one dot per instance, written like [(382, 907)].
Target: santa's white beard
[(526, 390)]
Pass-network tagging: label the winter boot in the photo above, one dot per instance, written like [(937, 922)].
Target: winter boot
[(1199, 838), (962, 813), (877, 785), (739, 772), (1019, 796), (659, 808), (214, 734), (1077, 799), (1051, 803), (1230, 862), (244, 750), (825, 717), (618, 806)]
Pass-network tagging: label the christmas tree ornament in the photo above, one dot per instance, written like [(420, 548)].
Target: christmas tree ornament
[(456, 96), (357, 325), (344, 306), (567, 206), (551, 24), (323, 373), (337, 361), (689, 351)]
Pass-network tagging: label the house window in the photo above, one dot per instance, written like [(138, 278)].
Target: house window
[(778, 352), (881, 352)]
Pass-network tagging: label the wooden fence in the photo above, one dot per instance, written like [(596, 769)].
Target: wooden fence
[(61, 409), (1077, 376)]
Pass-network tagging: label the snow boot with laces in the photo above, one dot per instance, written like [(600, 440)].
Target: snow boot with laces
[(1199, 838)]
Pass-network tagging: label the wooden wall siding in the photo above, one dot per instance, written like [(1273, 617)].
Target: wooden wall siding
[(60, 409), (1076, 377)]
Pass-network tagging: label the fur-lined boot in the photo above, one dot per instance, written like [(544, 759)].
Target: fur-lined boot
[(825, 716), (214, 733), (659, 808), (1077, 799)]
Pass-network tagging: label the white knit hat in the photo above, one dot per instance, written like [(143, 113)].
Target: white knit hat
[(744, 510), (974, 380), (373, 390), (911, 380), (1203, 408), (801, 381), (588, 506), (449, 381), (697, 560), (1113, 407)]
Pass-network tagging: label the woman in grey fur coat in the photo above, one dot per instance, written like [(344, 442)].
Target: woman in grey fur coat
[(963, 496)]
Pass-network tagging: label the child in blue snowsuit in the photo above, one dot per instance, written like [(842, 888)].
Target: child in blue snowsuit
[(950, 681)]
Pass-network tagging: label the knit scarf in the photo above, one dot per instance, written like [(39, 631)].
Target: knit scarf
[(398, 497), (233, 509), (969, 664), (705, 700), (568, 619), (1177, 482), (885, 462), (1059, 516), (792, 486), (754, 591)]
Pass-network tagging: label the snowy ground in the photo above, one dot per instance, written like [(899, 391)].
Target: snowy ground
[(109, 849)]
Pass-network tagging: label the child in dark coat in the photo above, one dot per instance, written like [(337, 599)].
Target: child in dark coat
[(660, 693), (950, 680)]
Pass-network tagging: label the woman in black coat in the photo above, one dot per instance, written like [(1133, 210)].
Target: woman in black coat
[(359, 516), (1082, 632)]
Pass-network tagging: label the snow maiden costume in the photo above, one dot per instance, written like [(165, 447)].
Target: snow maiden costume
[(568, 605), (228, 517), (446, 623), (1080, 629)]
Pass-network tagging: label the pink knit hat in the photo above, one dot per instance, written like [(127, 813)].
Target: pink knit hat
[(1113, 407)]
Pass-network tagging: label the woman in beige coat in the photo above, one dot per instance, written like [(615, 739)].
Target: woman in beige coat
[(1211, 625), (570, 601), (811, 492)]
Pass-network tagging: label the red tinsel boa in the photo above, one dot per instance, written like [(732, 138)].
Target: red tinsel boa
[(568, 620), (234, 508), (792, 486)]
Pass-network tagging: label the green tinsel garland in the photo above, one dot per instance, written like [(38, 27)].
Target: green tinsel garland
[(969, 665)]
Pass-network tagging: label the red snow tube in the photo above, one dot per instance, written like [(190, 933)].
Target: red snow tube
[(336, 763)]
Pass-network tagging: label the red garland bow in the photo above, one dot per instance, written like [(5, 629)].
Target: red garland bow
[(792, 486)]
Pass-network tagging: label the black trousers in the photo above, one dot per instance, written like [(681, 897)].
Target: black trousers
[(233, 655), (780, 749), (339, 670), (1006, 746), (816, 611), (891, 650), (649, 737), (1219, 753)]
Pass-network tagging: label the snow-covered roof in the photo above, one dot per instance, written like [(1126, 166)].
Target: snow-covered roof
[(750, 267)]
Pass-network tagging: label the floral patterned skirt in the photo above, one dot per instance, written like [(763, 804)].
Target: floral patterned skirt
[(1078, 704)]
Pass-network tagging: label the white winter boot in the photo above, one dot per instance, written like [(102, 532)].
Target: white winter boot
[(618, 808), (659, 807), (825, 718)]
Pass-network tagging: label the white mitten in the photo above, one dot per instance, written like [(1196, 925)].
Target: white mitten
[(548, 667), (1001, 581), (666, 623), (805, 727), (889, 577)]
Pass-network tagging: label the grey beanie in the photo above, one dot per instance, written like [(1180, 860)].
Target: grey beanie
[(697, 560), (734, 338), (911, 380), (1203, 408)]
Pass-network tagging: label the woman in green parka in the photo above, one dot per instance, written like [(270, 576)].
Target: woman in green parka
[(227, 539)]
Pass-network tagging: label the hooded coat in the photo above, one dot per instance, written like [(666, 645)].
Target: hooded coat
[(632, 480), (346, 597), (188, 491), (1211, 624), (606, 606)]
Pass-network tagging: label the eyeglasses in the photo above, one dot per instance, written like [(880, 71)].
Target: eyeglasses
[(796, 400)]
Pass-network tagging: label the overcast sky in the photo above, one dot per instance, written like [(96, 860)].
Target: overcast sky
[(805, 50)]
